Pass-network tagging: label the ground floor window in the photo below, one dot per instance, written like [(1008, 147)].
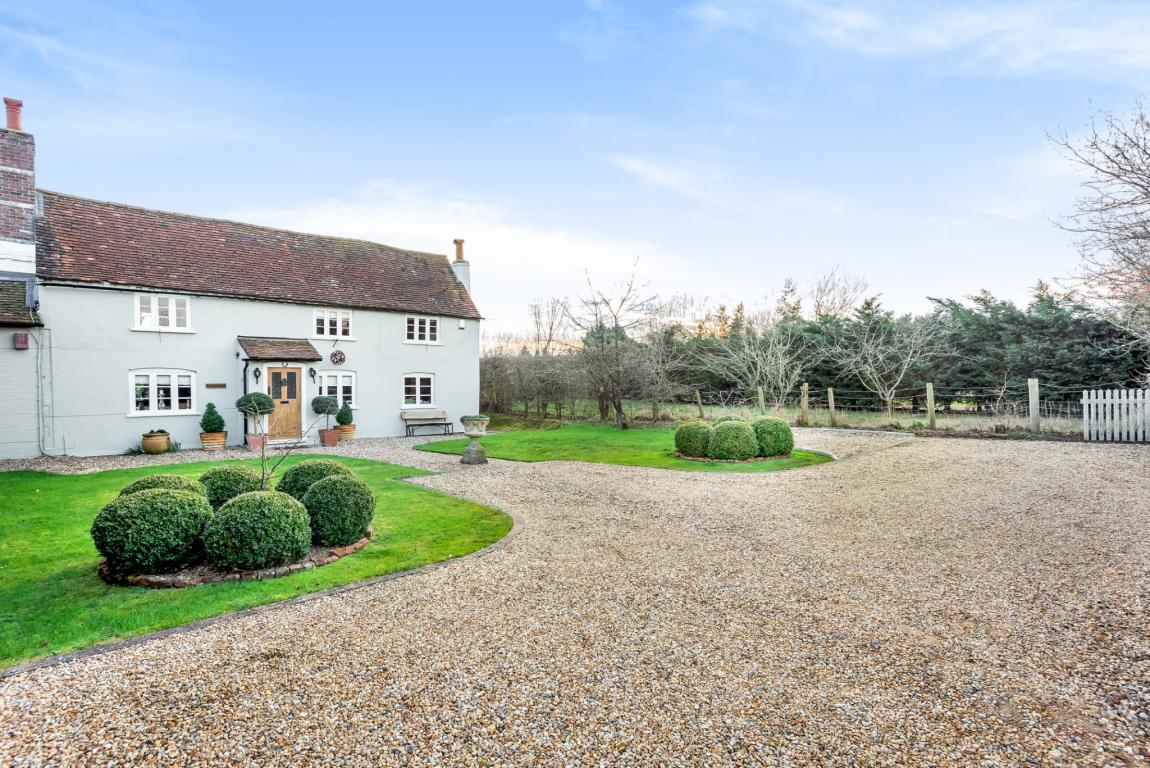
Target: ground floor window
[(162, 391), (418, 389), (338, 384)]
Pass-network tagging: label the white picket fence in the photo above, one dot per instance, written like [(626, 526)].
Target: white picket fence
[(1116, 415)]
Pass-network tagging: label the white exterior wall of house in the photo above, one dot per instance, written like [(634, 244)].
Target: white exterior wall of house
[(20, 436), (94, 352)]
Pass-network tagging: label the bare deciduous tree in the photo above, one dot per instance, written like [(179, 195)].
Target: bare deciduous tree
[(880, 351), (1112, 219), (774, 356), (836, 295)]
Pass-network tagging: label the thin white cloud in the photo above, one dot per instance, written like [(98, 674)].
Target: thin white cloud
[(657, 174), (1099, 38)]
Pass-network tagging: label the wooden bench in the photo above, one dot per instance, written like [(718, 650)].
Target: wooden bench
[(414, 419)]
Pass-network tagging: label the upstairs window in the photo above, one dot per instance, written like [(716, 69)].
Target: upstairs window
[(162, 392), (161, 312), (418, 389), (423, 330), (338, 384), (333, 323)]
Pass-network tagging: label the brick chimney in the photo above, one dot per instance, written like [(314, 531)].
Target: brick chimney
[(460, 266), (17, 193)]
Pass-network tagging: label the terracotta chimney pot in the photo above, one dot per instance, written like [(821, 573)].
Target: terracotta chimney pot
[(13, 107), (458, 250)]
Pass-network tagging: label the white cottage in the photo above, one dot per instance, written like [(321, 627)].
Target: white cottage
[(116, 320)]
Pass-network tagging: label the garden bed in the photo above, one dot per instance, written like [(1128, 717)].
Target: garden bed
[(203, 573)]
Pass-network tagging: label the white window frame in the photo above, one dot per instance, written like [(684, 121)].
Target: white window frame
[(417, 377), (153, 302), (339, 315), (321, 385), (431, 325), (153, 394)]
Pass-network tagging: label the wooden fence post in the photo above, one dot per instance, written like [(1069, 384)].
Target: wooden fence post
[(699, 402), (831, 405), (762, 402), (1035, 416), (930, 423), (805, 405)]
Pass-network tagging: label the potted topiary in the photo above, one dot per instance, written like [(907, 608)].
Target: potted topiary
[(346, 421), (155, 442), (256, 405), (212, 437), (326, 406)]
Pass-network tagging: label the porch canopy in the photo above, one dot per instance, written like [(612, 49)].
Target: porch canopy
[(269, 348)]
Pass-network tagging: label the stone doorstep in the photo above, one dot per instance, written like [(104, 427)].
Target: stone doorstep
[(176, 581)]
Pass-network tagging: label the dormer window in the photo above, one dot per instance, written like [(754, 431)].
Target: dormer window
[(163, 312), (423, 330), (333, 323)]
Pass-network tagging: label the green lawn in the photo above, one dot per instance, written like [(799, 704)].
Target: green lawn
[(604, 444), (52, 601)]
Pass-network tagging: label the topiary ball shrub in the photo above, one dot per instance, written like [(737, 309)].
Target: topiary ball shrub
[(725, 419), (260, 529), (299, 478), (340, 508), (692, 438), (171, 482), (152, 531), (733, 440), (774, 437), (225, 483)]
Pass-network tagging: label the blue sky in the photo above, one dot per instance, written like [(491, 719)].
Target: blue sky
[(724, 145)]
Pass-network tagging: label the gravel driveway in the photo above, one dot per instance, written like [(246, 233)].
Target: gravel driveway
[(922, 602)]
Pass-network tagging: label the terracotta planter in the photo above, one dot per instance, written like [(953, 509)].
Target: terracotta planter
[(328, 437), (155, 444), (346, 432), (213, 441), (256, 442)]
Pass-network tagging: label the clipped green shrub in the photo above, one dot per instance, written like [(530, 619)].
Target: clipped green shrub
[(344, 416), (212, 421), (299, 478), (223, 484), (260, 529), (152, 531), (733, 440), (692, 438), (774, 437), (171, 482), (255, 404), (340, 508), (725, 419)]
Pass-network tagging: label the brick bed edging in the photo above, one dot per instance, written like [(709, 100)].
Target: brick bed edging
[(101, 648), (179, 580)]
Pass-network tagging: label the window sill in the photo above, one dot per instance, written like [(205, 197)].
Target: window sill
[(142, 329), (331, 338), (424, 343), (428, 407), (161, 414)]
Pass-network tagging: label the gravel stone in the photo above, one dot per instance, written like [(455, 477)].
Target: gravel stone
[(922, 602)]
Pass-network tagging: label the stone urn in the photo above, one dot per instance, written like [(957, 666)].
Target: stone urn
[(474, 427)]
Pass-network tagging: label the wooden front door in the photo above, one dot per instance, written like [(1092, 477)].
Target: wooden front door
[(284, 388)]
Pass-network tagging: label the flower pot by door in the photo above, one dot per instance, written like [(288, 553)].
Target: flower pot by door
[(346, 432), (328, 437), (256, 442), (155, 444), (213, 441)]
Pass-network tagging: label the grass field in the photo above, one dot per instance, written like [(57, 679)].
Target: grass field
[(604, 444), (52, 601)]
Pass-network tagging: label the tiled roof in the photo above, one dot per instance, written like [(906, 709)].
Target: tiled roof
[(88, 241), (265, 348), (14, 309)]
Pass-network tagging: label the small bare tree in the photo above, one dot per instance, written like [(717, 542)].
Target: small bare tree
[(663, 356), (836, 295), (880, 350), (775, 356), (607, 318)]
